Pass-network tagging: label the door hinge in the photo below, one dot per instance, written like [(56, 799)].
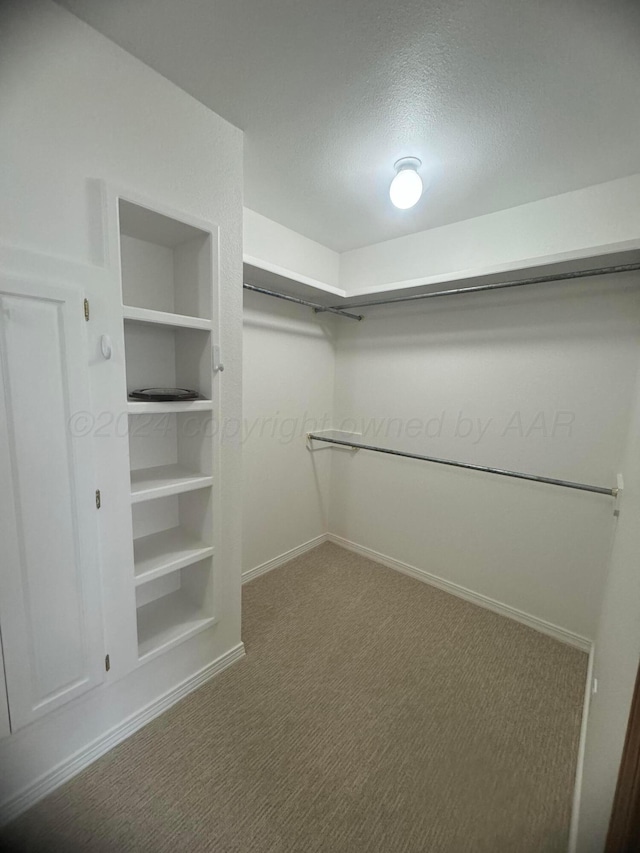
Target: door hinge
[(86, 309), (107, 663), (98, 499)]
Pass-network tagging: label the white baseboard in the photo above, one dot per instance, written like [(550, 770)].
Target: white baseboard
[(71, 766), (538, 624), (263, 568), (577, 789)]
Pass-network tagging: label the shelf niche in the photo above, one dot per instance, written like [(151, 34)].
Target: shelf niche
[(170, 452), (159, 356), (171, 533), (166, 265), (173, 608)]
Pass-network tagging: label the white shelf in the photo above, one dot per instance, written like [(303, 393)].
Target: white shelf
[(167, 621), (281, 280), (164, 480), (165, 552), (164, 318), (139, 407)]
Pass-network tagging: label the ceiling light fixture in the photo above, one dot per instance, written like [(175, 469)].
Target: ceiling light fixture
[(406, 187)]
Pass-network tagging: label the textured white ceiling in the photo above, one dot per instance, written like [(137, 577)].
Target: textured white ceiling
[(505, 101)]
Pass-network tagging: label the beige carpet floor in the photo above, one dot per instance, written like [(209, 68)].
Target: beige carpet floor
[(372, 713)]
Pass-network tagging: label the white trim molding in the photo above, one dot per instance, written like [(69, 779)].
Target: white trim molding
[(577, 789), (275, 562), (555, 631), (77, 762)]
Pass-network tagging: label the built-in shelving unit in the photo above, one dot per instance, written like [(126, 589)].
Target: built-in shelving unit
[(167, 294)]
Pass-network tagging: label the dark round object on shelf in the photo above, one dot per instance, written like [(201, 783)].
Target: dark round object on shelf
[(164, 395)]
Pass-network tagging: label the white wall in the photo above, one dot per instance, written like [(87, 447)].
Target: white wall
[(566, 351), (289, 362), (616, 659), (570, 225), (75, 109)]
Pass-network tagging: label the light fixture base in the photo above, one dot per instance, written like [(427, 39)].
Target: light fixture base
[(407, 163)]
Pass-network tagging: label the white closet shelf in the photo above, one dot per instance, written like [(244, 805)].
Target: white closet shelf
[(165, 552), (167, 621), (165, 480), (139, 407), (164, 318)]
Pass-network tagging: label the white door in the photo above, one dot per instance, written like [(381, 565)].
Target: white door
[(5, 727), (50, 601)]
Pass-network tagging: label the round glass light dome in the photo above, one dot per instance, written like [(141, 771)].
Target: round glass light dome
[(406, 187)]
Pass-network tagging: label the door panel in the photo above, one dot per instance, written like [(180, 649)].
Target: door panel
[(50, 613), (5, 727)]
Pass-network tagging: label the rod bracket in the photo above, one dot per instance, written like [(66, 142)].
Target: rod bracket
[(340, 312), (617, 495)]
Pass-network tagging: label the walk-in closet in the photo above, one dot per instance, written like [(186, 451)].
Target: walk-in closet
[(320, 426)]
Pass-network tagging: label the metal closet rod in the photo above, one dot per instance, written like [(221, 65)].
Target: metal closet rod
[(458, 291), (567, 484), (318, 308)]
